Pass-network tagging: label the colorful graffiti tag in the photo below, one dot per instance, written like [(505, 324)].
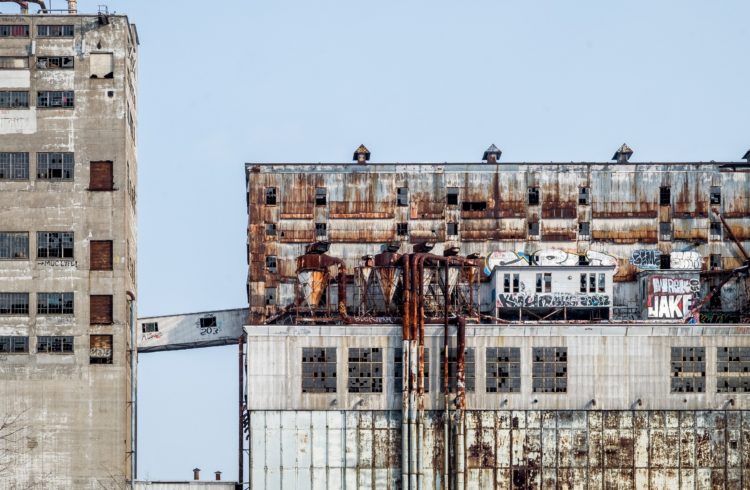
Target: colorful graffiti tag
[(671, 297), (646, 259), (553, 300)]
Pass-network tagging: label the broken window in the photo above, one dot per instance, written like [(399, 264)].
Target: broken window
[(270, 229), (516, 283), (14, 345), (65, 30), (14, 166), (584, 288), (601, 287), (538, 283), (398, 370), (452, 229), (270, 296), (55, 62), (208, 322), (688, 372), (592, 283), (665, 261), (365, 370), (547, 282), (271, 263), (14, 303), (100, 309), (320, 196), (665, 196), (150, 327), (715, 261), (270, 196), (101, 65), (469, 368), (584, 230), (402, 198), (584, 196), (715, 230), (318, 370), (100, 255), (54, 303), (101, 176), (503, 370), (550, 369), (54, 245), (511, 287), (474, 205), (533, 229), (14, 62), (13, 99), (100, 349), (715, 195), (55, 98), (451, 196), (14, 245), (14, 31), (533, 196), (54, 344), (54, 166), (320, 229), (402, 229), (665, 230), (733, 370)]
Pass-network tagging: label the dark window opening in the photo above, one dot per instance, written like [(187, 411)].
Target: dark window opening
[(538, 283), (665, 230), (14, 303), (14, 345), (55, 62), (474, 205), (451, 196), (320, 229), (516, 283), (320, 196), (271, 263), (584, 197), (54, 303), (584, 288), (271, 229), (54, 166), (665, 196), (365, 370), (149, 327), (533, 196), (469, 369), (208, 322), (533, 229), (547, 282), (733, 370), (270, 196), (100, 349), (688, 369), (270, 296), (402, 198), (54, 345), (715, 195), (402, 229), (65, 30), (665, 261), (715, 261), (584, 229), (57, 245), (715, 230), (318, 370), (14, 245), (452, 229), (14, 31)]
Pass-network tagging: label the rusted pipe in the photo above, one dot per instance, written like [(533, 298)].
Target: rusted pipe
[(446, 385), (413, 379), (733, 237), (420, 376), (460, 402), (405, 347)]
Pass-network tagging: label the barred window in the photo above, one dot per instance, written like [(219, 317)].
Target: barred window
[(14, 166), (398, 370), (12, 99), (14, 31), (54, 344), (318, 370), (733, 370), (550, 370), (14, 345), (14, 303), (503, 370), (688, 369), (149, 327), (55, 62), (14, 245), (365, 370), (469, 368), (54, 303), (46, 30), (55, 98), (54, 244), (54, 166)]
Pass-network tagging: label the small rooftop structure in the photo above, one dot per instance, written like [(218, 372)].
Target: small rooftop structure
[(492, 154), (623, 154), (361, 154)]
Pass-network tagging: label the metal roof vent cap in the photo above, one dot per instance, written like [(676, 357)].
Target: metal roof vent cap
[(746, 156), (492, 154), (361, 155), (196, 474), (218, 475), (623, 154)]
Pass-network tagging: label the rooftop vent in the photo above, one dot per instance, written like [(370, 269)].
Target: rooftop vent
[(623, 154), (492, 154), (361, 155), (746, 156), (196, 474)]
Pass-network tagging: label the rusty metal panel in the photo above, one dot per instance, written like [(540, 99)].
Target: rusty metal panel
[(689, 229), (559, 230), (296, 231), (379, 231), (625, 231), (297, 196), (492, 229), (624, 194)]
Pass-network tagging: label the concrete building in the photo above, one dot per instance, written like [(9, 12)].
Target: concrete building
[(498, 325), (68, 173)]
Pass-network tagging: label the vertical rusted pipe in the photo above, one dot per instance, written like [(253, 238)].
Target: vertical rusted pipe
[(446, 395), (405, 375), (420, 378), (460, 402), (412, 381)]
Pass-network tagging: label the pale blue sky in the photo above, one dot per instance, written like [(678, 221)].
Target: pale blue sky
[(223, 83)]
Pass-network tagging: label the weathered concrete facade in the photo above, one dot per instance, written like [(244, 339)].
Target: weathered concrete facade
[(70, 216)]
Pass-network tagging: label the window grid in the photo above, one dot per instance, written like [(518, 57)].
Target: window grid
[(54, 303), (14, 345), (398, 370), (549, 371), (402, 229), (46, 30), (469, 369), (55, 62), (365, 370), (55, 98), (14, 245), (14, 31), (208, 321), (14, 303), (503, 370), (149, 327), (54, 344), (14, 166), (13, 99), (733, 370), (54, 245), (318, 370), (54, 166), (688, 369)]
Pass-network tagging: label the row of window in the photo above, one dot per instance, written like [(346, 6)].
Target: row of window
[(549, 372), (55, 166), (42, 30), (452, 197), (42, 62), (590, 283), (19, 99), (53, 245), (100, 346), (54, 303)]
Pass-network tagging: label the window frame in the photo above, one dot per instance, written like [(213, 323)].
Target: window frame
[(48, 164), (7, 30), (534, 196), (49, 62), (55, 99), (272, 264), (321, 200), (10, 305), (402, 197), (55, 344), (12, 252), (360, 360), (43, 243), (48, 30), (55, 303), (9, 344), (9, 99), (271, 196), (316, 363), (450, 193)]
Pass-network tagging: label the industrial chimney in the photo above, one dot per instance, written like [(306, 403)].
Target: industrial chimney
[(218, 475), (492, 154), (623, 154), (361, 155), (72, 7), (196, 474)]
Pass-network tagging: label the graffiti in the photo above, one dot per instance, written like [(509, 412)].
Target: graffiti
[(553, 300), (150, 336), (502, 257), (646, 259), (599, 258), (720, 317), (671, 297), (685, 260), (555, 257), (100, 352), (57, 263)]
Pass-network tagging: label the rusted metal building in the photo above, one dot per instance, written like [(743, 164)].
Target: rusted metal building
[(498, 325)]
